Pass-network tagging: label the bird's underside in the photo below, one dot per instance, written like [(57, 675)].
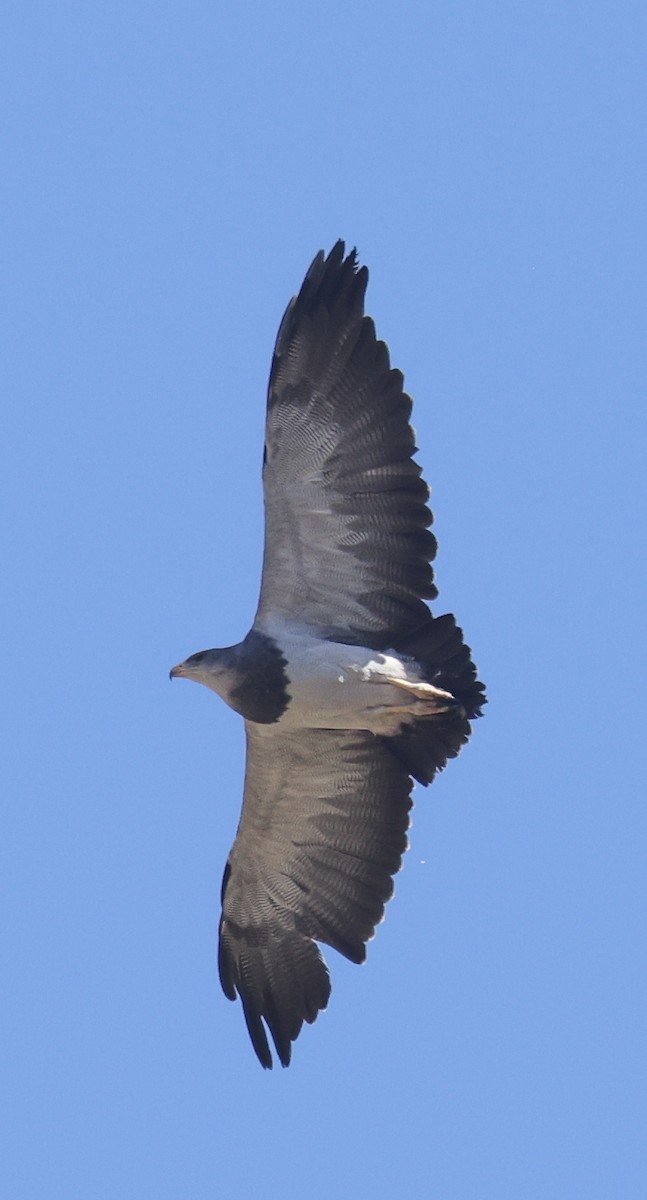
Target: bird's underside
[(350, 689)]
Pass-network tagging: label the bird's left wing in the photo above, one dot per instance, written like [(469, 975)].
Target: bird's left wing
[(322, 832), (347, 548)]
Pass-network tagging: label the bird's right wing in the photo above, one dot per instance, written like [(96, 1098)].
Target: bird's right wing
[(322, 832)]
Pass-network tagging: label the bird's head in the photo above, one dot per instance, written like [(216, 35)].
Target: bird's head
[(213, 668)]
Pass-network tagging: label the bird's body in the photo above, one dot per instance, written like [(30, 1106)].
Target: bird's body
[(349, 688), (330, 685)]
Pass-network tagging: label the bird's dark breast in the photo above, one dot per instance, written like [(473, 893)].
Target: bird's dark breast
[(261, 693)]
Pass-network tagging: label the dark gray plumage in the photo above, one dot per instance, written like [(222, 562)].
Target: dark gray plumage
[(348, 686)]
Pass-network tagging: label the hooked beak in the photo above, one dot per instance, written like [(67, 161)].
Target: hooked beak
[(177, 672)]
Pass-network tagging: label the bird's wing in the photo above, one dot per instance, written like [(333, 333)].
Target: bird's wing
[(323, 829), (347, 544)]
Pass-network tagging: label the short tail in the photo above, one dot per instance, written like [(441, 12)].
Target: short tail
[(425, 745)]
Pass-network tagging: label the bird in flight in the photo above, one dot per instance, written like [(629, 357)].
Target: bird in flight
[(350, 689)]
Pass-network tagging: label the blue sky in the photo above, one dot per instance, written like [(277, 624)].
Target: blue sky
[(169, 172)]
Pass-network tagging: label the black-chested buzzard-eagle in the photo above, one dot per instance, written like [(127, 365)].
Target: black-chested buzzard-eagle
[(349, 687)]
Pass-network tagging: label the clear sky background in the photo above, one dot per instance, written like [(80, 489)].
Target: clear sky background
[(169, 172)]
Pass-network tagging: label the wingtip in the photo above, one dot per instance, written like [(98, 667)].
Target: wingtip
[(336, 260), (333, 281)]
